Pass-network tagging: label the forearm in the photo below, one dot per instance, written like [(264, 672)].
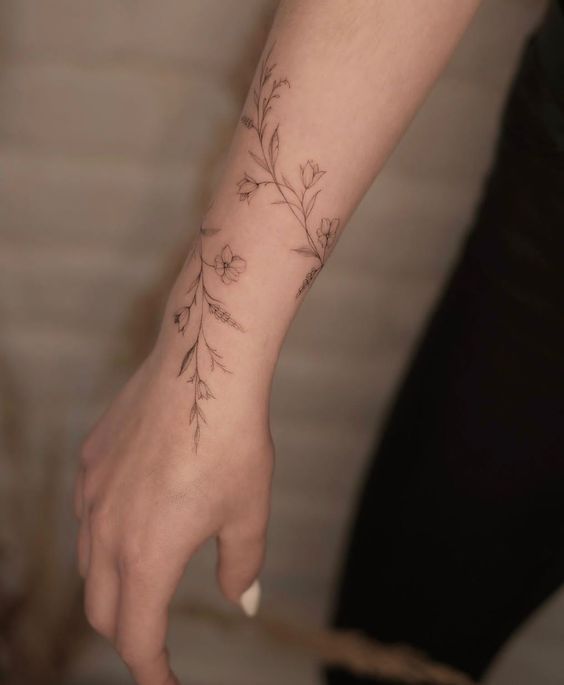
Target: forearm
[(335, 88), (184, 453)]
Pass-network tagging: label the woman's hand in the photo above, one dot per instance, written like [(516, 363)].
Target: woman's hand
[(147, 499)]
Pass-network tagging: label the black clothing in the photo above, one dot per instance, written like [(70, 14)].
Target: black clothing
[(460, 530)]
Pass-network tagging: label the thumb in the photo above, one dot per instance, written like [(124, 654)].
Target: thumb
[(240, 558)]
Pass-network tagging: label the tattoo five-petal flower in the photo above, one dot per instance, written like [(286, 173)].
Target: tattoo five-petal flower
[(327, 231), (229, 266)]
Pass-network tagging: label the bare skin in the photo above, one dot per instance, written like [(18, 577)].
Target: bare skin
[(184, 453)]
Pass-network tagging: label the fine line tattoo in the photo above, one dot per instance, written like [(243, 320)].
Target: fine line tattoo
[(299, 198), (200, 308)]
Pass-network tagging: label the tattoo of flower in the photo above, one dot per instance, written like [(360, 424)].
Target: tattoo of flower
[(327, 232), (192, 320), (229, 266), (310, 173), (247, 188), (299, 198)]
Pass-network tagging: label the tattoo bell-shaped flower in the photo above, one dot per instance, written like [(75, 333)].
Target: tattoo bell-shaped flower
[(182, 318), (327, 231), (229, 266), (247, 188), (310, 173)]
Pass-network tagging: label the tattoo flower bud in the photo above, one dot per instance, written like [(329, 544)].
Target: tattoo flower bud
[(229, 266), (310, 173), (203, 391), (327, 231), (247, 188), (247, 121), (182, 318)]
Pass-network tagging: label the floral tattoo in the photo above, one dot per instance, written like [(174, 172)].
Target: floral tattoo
[(202, 306), (299, 198), (192, 319)]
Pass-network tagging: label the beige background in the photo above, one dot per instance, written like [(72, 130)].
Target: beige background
[(114, 115)]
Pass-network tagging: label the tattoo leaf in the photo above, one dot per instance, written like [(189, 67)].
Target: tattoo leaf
[(305, 251), (274, 147), (311, 203), (187, 359), (193, 285), (287, 182), (286, 203), (223, 315), (308, 280), (259, 161), (209, 231), (193, 412)]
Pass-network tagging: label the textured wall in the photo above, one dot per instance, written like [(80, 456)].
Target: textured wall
[(113, 117)]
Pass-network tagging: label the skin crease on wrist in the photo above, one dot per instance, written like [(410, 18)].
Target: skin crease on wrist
[(184, 452)]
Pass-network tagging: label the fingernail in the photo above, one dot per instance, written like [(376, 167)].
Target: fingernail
[(250, 599)]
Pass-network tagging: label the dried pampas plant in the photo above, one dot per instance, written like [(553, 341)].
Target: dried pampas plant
[(351, 651)]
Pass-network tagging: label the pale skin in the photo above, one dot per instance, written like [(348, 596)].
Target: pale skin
[(147, 495)]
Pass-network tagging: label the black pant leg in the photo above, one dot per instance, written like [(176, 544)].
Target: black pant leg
[(459, 534)]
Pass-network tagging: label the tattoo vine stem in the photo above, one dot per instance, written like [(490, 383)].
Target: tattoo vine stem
[(202, 358), (202, 306), (300, 200)]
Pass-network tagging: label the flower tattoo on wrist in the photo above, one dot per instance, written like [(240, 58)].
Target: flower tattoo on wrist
[(201, 308), (298, 197)]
